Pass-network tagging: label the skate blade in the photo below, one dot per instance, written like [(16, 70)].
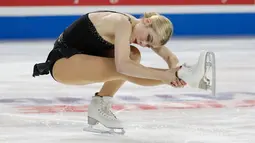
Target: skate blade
[(208, 81), (92, 122), (111, 131)]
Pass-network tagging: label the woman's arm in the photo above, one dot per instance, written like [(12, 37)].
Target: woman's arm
[(172, 61), (170, 58), (123, 62)]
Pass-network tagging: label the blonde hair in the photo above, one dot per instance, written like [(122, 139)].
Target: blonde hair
[(161, 25)]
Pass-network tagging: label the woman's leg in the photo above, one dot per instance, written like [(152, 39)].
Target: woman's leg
[(85, 69), (111, 87)]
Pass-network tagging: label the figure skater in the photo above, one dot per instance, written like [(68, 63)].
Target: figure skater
[(97, 48)]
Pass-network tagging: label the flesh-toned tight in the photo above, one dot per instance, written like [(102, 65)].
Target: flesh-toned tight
[(84, 69)]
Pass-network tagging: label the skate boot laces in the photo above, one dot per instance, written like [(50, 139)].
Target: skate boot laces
[(105, 109)]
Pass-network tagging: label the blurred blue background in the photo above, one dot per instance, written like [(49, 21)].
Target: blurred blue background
[(47, 22)]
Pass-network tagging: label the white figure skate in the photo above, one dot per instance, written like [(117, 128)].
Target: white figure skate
[(196, 76), (99, 112)]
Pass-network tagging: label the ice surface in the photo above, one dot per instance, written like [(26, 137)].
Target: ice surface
[(235, 73)]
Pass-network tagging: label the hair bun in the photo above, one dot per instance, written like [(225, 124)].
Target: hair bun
[(149, 14)]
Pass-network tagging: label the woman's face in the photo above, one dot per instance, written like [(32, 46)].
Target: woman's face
[(144, 35)]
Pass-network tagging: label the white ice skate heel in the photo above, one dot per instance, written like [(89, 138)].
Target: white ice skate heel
[(99, 112), (196, 76)]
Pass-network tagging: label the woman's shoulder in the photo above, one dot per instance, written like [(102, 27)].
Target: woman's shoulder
[(113, 16), (122, 19)]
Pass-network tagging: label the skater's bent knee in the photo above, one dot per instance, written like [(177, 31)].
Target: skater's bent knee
[(135, 54)]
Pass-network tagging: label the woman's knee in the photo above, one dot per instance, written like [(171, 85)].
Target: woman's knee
[(135, 54)]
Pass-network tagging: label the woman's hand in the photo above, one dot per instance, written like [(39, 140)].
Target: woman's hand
[(178, 83), (173, 80)]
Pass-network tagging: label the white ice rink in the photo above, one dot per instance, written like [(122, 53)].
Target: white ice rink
[(229, 124)]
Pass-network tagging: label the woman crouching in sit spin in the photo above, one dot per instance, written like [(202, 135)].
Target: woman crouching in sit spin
[(96, 48)]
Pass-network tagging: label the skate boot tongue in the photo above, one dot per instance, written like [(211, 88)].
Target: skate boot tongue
[(107, 106), (107, 99)]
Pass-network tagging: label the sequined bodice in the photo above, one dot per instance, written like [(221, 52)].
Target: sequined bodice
[(96, 34), (82, 35)]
